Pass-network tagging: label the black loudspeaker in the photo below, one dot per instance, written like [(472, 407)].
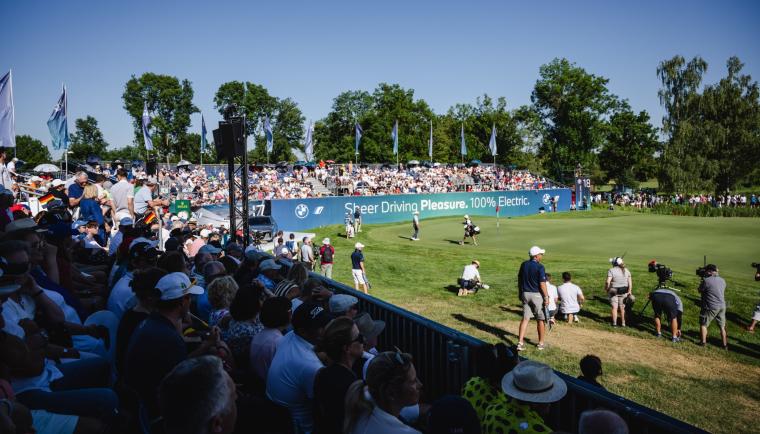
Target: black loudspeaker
[(150, 167), (229, 139)]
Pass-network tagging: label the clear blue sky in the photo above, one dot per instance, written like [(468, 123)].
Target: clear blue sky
[(448, 52)]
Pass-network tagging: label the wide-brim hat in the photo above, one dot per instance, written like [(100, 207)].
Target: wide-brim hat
[(368, 327), (535, 382)]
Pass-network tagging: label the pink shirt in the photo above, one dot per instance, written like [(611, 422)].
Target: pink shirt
[(195, 246)]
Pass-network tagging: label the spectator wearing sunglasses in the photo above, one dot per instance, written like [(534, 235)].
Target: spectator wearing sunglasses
[(343, 345), (391, 385)]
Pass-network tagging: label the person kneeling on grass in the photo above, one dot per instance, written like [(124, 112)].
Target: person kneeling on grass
[(571, 298), (470, 281)]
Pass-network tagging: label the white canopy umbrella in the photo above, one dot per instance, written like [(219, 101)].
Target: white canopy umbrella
[(47, 167)]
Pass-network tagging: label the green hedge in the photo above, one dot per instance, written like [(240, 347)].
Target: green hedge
[(701, 210)]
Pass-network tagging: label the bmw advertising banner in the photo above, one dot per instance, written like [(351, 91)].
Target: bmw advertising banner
[(302, 214)]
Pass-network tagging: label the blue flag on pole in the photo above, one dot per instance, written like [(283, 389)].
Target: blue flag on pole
[(309, 145), (492, 143), (268, 134), (359, 132), (58, 125), (463, 147), (203, 135), (146, 128), (430, 142), (7, 115), (394, 136)]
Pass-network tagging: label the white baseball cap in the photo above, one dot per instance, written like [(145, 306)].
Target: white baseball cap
[(535, 251), (359, 246), (326, 241), (58, 182), (177, 285), (466, 216), (205, 233)]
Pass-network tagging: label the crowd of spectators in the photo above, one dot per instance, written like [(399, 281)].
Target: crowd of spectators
[(437, 179), (114, 322), (648, 200)]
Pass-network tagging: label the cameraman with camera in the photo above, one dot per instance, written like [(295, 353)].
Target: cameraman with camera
[(713, 289)]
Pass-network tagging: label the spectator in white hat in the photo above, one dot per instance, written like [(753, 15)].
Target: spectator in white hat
[(357, 268), (157, 345), (199, 242), (531, 284)]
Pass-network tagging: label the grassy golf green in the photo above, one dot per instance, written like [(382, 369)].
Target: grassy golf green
[(716, 390)]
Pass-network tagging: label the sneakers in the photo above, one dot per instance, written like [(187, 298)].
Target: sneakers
[(675, 340), (540, 347), (658, 335), (575, 318), (520, 346)]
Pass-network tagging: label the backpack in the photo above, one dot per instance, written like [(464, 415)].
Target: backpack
[(327, 256)]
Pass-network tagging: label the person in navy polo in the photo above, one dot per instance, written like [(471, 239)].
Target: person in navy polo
[(157, 345), (531, 284)]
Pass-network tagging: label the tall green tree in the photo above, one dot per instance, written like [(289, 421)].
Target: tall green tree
[(479, 119), (87, 139), (126, 153), (334, 135), (729, 125), (683, 164), (572, 105), (627, 156), (170, 103), (31, 151)]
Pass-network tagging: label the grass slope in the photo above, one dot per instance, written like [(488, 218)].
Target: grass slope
[(716, 390)]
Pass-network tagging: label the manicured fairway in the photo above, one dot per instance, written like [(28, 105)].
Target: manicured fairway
[(716, 390)]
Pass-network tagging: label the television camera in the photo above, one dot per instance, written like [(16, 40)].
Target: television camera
[(664, 273)]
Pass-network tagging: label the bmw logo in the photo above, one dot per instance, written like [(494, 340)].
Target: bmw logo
[(302, 211), (547, 199)]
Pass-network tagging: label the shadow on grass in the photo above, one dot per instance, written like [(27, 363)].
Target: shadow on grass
[(500, 333), (453, 241), (453, 289), (405, 237), (734, 345)]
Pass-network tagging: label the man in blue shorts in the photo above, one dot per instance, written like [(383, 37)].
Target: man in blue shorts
[(531, 284)]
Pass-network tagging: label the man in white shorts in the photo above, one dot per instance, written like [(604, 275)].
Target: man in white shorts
[(357, 268), (571, 298)]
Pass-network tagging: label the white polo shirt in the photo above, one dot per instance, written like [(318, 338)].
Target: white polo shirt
[(568, 294), (290, 381), (551, 290), (471, 272), (122, 298), (14, 312)]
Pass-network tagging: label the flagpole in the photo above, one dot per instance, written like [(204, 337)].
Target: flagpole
[(66, 148), (13, 111)]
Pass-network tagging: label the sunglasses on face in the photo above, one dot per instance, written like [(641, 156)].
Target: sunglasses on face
[(17, 269)]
